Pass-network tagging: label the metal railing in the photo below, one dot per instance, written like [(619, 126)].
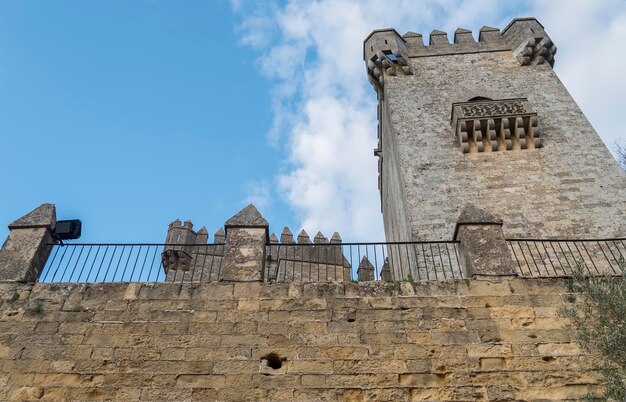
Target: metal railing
[(132, 263), (557, 258), (325, 262), (342, 262)]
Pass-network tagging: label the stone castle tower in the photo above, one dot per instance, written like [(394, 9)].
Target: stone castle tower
[(487, 123)]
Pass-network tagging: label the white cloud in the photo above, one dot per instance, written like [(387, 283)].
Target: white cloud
[(259, 194), (325, 111), (591, 58)]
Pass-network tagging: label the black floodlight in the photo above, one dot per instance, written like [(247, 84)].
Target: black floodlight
[(68, 230)]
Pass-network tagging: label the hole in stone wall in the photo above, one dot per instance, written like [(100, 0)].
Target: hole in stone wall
[(390, 55), (274, 361)]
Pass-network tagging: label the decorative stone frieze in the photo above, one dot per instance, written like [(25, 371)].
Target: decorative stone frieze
[(474, 109), (496, 125)]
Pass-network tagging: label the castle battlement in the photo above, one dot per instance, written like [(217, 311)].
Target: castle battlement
[(386, 49), (189, 254)]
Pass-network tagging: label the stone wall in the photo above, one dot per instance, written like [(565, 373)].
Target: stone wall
[(464, 340)]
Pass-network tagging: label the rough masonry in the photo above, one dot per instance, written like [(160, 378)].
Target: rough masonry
[(455, 340), (487, 122)]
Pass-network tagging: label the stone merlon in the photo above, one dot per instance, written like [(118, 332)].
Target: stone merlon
[(386, 52)]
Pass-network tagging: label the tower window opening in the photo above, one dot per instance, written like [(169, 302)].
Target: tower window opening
[(390, 55)]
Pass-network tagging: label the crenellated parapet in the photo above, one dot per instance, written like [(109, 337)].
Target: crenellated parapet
[(190, 256), (386, 52), (321, 249), (184, 247), (320, 260), (463, 41)]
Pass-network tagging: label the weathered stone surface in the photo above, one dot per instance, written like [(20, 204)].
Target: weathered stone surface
[(244, 254), (42, 216), (483, 249), (26, 249), (377, 341), (366, 270), (249, 217), (539, 193)]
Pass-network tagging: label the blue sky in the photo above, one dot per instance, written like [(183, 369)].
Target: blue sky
[(128, 115)]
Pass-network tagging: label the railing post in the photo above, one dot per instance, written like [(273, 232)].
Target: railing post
[(483, 251), (247, 233), (26, 249)]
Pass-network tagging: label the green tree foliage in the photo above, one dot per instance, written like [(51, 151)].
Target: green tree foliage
[(599, 317)]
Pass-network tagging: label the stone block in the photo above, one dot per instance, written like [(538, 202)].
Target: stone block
[(313, 380), (200, 381), (244, 253), (455, 337), (419, 337), (26, 249), (512, 312), (422, 380), (204, 394), (559, 349), (311, 366), (424, 394), (483, 251), (492, 363), (247, 290), (25, 393), (299, 316), (369, 366), (552, 323), (489, 350), (280, 394), (234, 367), (278, 316), (342, 352), (419, 365)]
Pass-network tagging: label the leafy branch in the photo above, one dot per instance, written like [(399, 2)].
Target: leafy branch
[(599, 317)]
